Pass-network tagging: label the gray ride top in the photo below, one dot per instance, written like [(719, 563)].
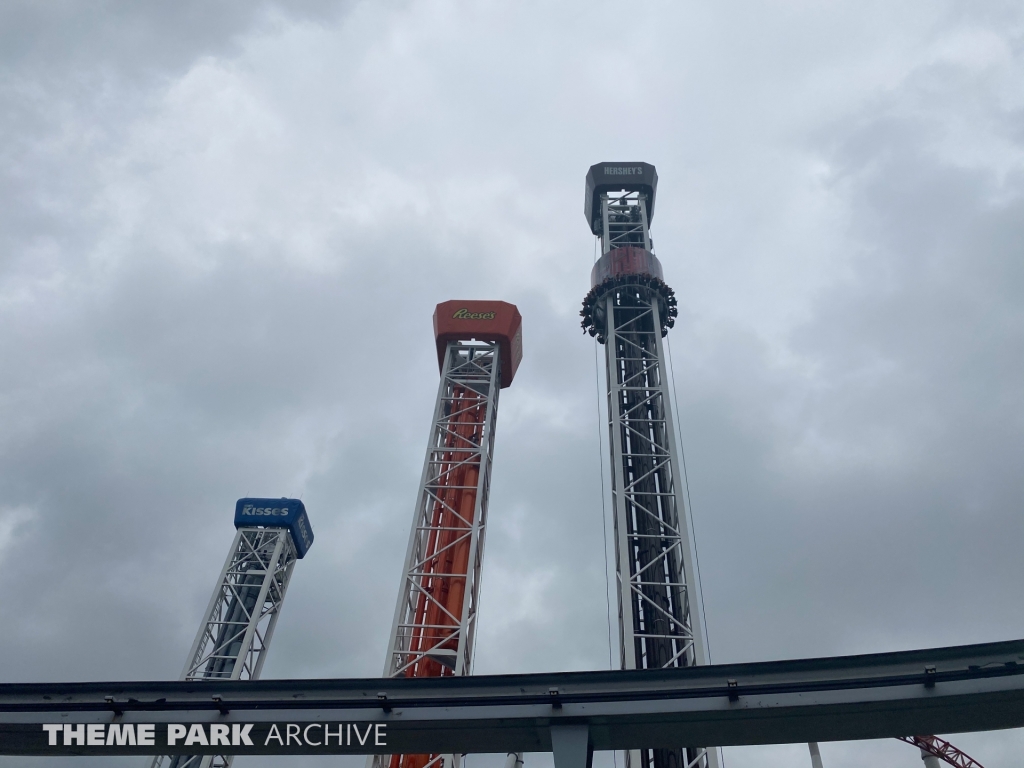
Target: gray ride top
[(613, 177)]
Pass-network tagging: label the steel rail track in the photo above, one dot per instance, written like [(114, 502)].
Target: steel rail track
[(944, 690)]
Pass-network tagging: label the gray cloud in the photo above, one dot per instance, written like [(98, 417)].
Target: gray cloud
[(131, 40), (225, 229)]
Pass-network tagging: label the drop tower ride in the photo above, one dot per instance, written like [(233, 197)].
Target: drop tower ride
[(233, 638), (629, 310), (479, 347)]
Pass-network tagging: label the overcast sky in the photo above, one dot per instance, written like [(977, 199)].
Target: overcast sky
[(225, 226)]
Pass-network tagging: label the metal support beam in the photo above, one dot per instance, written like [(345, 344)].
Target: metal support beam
[(815, 754), (571, 747)]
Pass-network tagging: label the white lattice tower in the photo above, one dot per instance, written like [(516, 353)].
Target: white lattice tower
[(479, 345)]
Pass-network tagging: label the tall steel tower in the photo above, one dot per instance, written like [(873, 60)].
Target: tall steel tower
[(233, 639), (629, 309), (479, 346)]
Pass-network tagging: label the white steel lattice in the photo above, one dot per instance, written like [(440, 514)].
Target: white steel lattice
[(232, 640), (624, 218), (435, 619), (659, 625)]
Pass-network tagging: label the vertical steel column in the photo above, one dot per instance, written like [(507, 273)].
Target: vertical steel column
[(624, 222), (239, 622), (658, 626), (629, 310), (812, 746), (434, 625)]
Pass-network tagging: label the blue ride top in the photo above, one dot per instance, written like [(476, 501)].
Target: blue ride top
[(277, 513)]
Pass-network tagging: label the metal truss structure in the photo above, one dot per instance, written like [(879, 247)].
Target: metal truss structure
[(652, 542), (232, 640), (629, 312), (941, 749), (624, 222), (435, 619)]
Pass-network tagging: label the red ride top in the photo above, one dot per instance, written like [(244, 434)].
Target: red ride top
[(481, 321), (629, 260)]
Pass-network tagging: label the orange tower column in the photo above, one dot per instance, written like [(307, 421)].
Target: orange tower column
[(479, 346)]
